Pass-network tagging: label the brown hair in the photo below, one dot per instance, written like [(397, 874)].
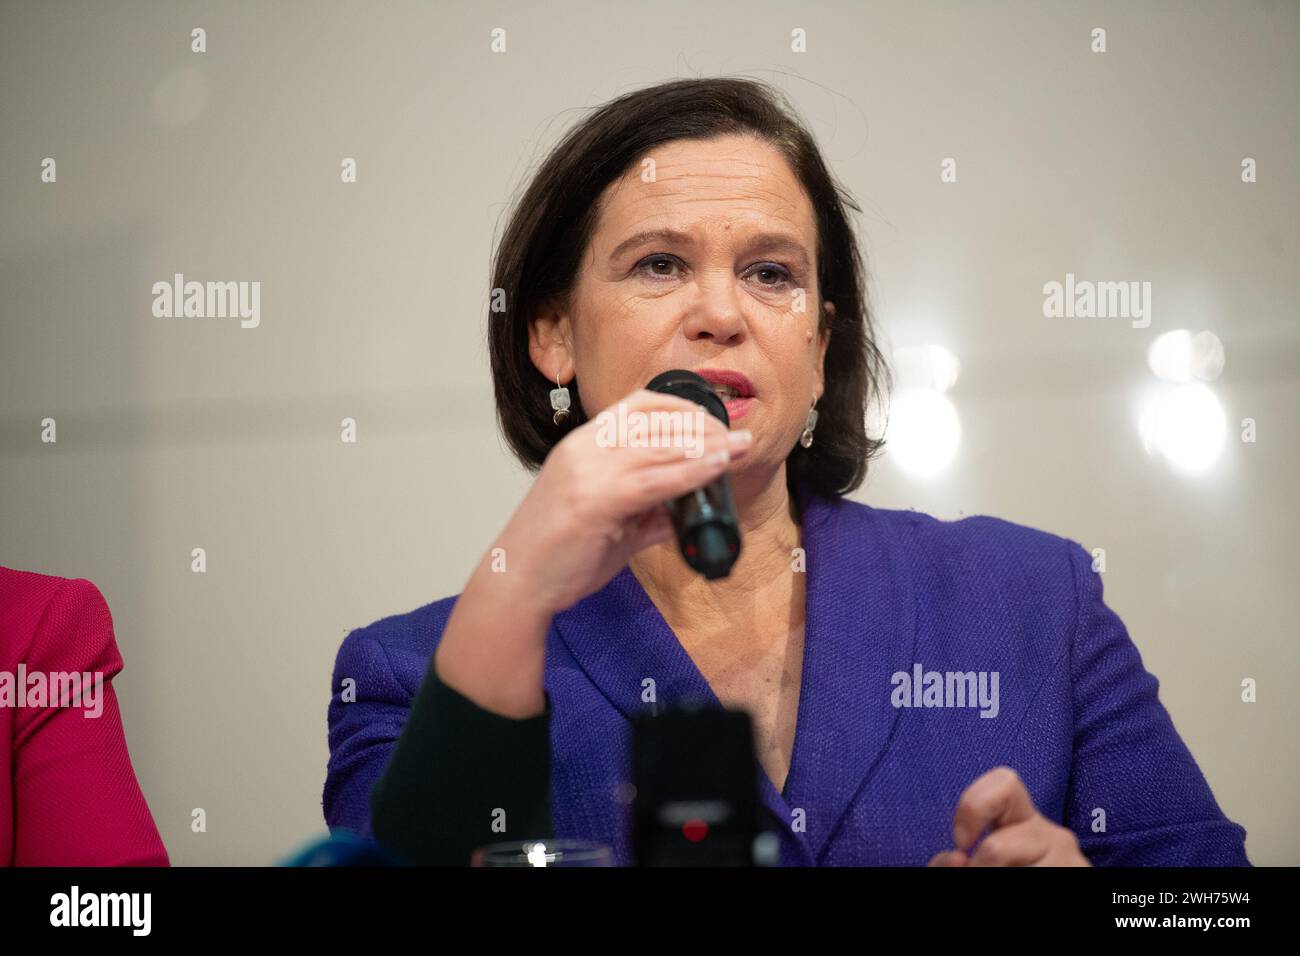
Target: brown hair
[(538, 259)]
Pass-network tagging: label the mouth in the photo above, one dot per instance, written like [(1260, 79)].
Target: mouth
[(735, 390), (729, 386)]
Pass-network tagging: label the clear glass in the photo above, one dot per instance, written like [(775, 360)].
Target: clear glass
[(543, 853)]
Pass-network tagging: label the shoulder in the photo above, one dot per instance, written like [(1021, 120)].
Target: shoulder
[(983, 584), (956, 558), (27, 598), (399, 645), (971, 538), (50, 620)]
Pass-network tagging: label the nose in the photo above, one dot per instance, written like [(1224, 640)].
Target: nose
[(716, 313)]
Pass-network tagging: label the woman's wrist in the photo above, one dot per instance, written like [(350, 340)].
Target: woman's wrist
[(493, 648)]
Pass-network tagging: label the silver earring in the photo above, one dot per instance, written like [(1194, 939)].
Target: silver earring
[(806, 439), (559, 402)]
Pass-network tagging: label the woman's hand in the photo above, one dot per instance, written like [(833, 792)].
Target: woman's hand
[(593, 506), (1019, 834)]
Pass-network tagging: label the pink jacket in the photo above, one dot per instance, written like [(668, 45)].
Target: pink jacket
[(68, 793)]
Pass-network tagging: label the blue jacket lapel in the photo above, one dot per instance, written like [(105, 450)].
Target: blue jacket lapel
[(859, 629)]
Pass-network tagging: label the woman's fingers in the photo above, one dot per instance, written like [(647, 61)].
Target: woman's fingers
[(668, 450), (948, 858), (618, 470), (1023, 844), (652, 485), (1018, 834), (651, 528), (996, 799)]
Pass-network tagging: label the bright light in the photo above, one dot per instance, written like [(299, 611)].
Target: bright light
[(1180, 356), (1170, 356), (1186, 425), (926, 366), (923, 431), (537, 855)]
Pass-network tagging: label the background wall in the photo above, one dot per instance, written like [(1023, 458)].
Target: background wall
[(225, 165)]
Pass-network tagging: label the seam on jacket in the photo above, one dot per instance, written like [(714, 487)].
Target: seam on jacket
[(392, 672), (1074, 633), (1029, 707), (1068, 803), (353, 769), (45, 613)]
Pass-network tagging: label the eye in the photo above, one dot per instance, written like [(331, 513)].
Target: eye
[(780, 277), (660, 265), (650, 262)]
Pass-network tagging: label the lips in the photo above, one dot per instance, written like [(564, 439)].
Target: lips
[(729, 385), (735, 390)]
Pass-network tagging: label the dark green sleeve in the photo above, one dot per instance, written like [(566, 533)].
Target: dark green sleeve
[(454, 766)]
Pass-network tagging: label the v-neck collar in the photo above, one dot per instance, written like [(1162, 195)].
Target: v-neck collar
[(859, 629)]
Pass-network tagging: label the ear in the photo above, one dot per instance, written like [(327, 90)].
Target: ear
[(549, 343), (823, 341)]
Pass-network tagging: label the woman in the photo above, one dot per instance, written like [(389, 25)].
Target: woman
[(68, 793), (694, 225)]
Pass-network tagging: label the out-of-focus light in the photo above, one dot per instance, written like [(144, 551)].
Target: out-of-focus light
[(1170, 356), (538, 856), (1186, 425), (926, 366), (923, 431), (1181, 356)]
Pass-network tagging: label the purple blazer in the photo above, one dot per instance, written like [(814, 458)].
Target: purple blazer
[(934, 651)]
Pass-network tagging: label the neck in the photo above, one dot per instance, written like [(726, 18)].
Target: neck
[(760, 576)]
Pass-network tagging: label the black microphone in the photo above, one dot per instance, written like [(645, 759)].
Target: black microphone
[(695, 790), (708, 533)]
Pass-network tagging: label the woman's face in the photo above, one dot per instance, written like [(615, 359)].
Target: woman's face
[(703, 257)]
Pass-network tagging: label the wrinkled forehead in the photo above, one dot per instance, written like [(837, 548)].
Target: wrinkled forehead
[(708, 185)]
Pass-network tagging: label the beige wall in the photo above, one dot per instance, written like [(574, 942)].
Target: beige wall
[(177, 434)]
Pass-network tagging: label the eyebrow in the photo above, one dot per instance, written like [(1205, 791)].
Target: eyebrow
[(767, 241)]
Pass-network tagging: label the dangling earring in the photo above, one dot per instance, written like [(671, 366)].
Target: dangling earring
[(559, 402), (806, 439)]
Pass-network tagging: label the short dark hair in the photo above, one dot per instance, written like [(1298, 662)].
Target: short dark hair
[(539, 256)]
